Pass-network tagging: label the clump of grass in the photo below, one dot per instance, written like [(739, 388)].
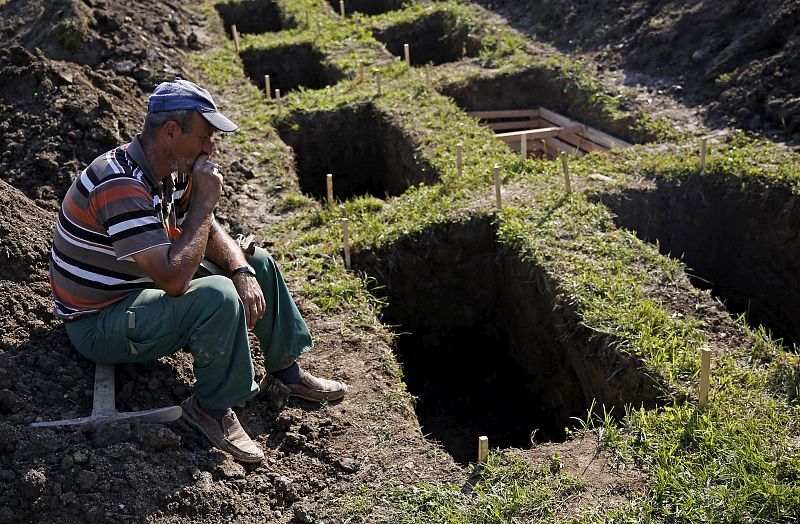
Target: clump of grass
[(71, 34), (505, 489), (292, 201)]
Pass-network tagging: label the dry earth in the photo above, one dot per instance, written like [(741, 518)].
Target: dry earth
[(728, 63)]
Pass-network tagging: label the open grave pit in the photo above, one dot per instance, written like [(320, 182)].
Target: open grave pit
[(740, 244), (289, 67), (487, 347), (543, 133), (535, 88), (252, 17), (367, 7), (366, 153), (437, 38)]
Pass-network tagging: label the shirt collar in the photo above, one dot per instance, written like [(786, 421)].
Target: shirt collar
[(136, 152)]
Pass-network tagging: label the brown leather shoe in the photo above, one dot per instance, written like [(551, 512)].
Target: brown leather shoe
[(317, 389), (228, 436)]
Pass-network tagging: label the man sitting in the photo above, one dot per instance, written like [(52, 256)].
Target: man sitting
[(132, 232)]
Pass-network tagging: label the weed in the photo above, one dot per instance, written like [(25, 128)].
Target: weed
[(70, 34)]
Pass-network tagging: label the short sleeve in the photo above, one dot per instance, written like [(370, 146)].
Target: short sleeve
[(125, 209)]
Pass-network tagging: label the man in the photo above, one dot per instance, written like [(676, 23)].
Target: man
[(132, 232)]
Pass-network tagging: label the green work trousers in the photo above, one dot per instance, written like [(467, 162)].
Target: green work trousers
[(209, 320)]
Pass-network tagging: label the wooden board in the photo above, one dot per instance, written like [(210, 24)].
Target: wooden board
[(595, 135), (516, 124), (539, 133), (555, 144), (580, 141), (562, 133)]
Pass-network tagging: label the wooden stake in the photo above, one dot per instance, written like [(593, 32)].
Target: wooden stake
[(378, 81), (459, 159), (358, 23), (565, 165), (544, 147), (267, 86), (407, 54), (702, 155), (705, 375), (428, 76), (319, 28), (341, 8), (346, 237), (307, 23), (497, 195), (483, 450), (329, 180), (360, 72), (235, 37), (523, 146), (278, 101)]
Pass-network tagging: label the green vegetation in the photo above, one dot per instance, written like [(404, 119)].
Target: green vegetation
[(505, 489), (70, 34), (735, 461)]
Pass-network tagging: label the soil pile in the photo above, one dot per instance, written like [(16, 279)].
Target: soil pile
[(739, 59)]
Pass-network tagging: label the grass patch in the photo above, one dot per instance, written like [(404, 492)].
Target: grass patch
[(503, 490), (736, 461)]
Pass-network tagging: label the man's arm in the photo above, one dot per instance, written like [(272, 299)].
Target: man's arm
[(172, 266), (223, 250)]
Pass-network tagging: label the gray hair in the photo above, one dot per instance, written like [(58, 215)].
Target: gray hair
[(153, 122)]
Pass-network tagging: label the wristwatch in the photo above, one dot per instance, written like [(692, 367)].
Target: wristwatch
[(247, 268)]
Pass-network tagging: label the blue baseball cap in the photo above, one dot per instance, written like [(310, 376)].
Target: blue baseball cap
[(182, 94)]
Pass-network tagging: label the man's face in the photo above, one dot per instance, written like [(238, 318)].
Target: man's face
[(195, 142)]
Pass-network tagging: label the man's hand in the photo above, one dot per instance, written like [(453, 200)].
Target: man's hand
[(252, 297), (206, 183), (172, 266)]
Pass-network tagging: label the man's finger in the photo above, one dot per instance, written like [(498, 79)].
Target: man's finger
[(262, 308), (254, 316), (247, 316)]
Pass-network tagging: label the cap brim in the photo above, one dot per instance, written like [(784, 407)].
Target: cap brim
[(219, 121)]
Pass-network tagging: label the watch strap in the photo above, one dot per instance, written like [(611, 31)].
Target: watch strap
[(247, 268)]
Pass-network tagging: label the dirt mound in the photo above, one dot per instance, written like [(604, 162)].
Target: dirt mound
[(55, 117), (739, 58)]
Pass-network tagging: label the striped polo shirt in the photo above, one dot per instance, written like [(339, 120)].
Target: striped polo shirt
[(112, 211)]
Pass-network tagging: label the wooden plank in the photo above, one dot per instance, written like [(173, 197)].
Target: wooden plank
[(555, 145), (591, 133), (583, 143), (515, 125), (597, 136), (540, 133), (510, 113)]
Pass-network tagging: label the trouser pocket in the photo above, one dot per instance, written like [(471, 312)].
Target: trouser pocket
[(150, 331)]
